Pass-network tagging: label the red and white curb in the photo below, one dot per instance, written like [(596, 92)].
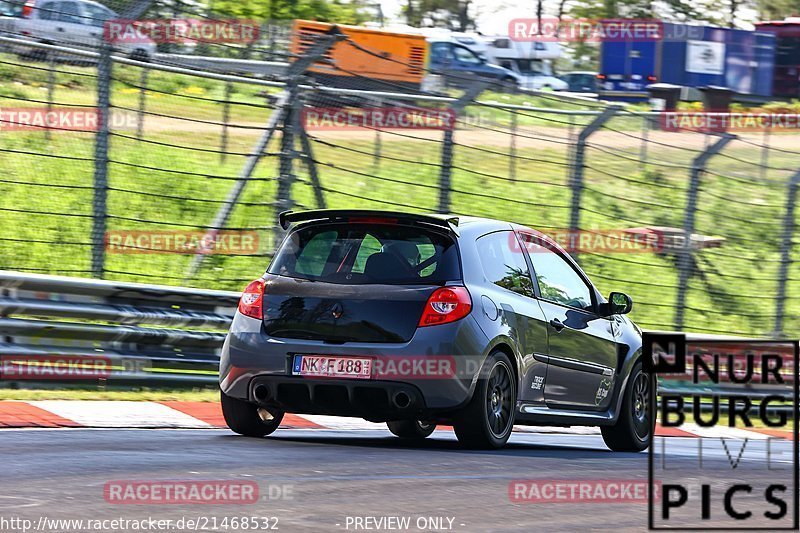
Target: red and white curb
[(206, 415)]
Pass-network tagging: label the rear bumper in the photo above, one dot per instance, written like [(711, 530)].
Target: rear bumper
[(437, 369), (374, 400)]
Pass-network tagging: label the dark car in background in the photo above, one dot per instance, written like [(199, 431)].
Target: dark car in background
[(580, 81), (419, 320), (461, 67)]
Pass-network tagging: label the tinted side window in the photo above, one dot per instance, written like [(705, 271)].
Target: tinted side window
[(49, 11), (464, 55), (558, 281), (440, 53), (503, 262), (97, 15), (70, 13)]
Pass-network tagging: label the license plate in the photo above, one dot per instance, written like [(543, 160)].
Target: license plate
[(332, 366)]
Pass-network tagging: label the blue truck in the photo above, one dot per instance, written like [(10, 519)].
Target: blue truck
[(691, 57)]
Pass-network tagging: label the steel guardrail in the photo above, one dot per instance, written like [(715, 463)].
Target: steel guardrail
[(44, 318)]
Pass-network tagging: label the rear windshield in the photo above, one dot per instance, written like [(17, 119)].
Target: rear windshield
[(363, 254)]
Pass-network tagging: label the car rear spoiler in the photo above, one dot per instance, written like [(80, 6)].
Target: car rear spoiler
[(291, 217)]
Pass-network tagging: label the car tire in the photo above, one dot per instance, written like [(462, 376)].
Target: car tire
[(411, 429), (487, 421), (633, 430), (248, 419), (509, 85), (40, 55), (140, 55)]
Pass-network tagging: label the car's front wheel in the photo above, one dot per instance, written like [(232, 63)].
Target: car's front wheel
[(140, 55), (634, 428), (248, 419), (488, 419), (411, 429)]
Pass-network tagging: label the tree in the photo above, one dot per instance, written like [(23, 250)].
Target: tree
[(323, 10), (451, 14)]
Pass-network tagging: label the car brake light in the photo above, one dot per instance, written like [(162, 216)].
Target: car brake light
[(371, 220), (250, 304), (27, 9), (601, 76), (446, 304), (652, 78)]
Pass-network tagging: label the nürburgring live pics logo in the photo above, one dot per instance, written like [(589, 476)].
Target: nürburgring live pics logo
[(737, 397)]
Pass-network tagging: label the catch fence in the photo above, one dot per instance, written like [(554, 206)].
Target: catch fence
[(180, 157)]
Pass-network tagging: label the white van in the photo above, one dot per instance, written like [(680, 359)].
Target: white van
[(70, 23), (531, 61)]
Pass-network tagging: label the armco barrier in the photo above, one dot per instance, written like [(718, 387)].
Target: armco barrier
[(137, 333)]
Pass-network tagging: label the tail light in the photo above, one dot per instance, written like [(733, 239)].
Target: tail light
[(446, 304), (601, 76), (250, 304), (27, 9), (652, 78)]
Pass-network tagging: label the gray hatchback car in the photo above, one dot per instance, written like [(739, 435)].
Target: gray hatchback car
[(419, 320)]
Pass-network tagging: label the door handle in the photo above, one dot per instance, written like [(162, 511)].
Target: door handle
[(557, 325), (59, 28)]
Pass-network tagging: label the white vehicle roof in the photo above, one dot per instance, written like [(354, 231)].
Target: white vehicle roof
[(503, 47)]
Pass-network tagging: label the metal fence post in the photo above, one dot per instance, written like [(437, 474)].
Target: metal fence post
[(99, 208), (295, 72), (283, 195), (512, 148), (445, 174), (51, 87), (577, 167), (307, 155), (764, 165), (142, 102), (226, 116), (786, 252), (685, 254), (376, 155), (643, 145)]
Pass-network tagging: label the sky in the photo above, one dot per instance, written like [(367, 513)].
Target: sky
[(492, 16)]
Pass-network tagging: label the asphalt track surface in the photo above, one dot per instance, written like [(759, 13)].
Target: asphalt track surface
[(320, 480)]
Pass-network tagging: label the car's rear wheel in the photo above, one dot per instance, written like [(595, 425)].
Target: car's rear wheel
[(634, 428), (248, 419), (488, 419), (411, 429)]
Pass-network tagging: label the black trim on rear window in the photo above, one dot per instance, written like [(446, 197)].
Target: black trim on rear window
[(361, 254)]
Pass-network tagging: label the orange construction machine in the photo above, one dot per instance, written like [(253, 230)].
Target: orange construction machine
[(366, 58)]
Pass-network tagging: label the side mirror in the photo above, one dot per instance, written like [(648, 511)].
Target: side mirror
[(618, 303)]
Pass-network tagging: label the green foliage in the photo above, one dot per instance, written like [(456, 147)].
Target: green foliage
[(451, 14), (266, 10)]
